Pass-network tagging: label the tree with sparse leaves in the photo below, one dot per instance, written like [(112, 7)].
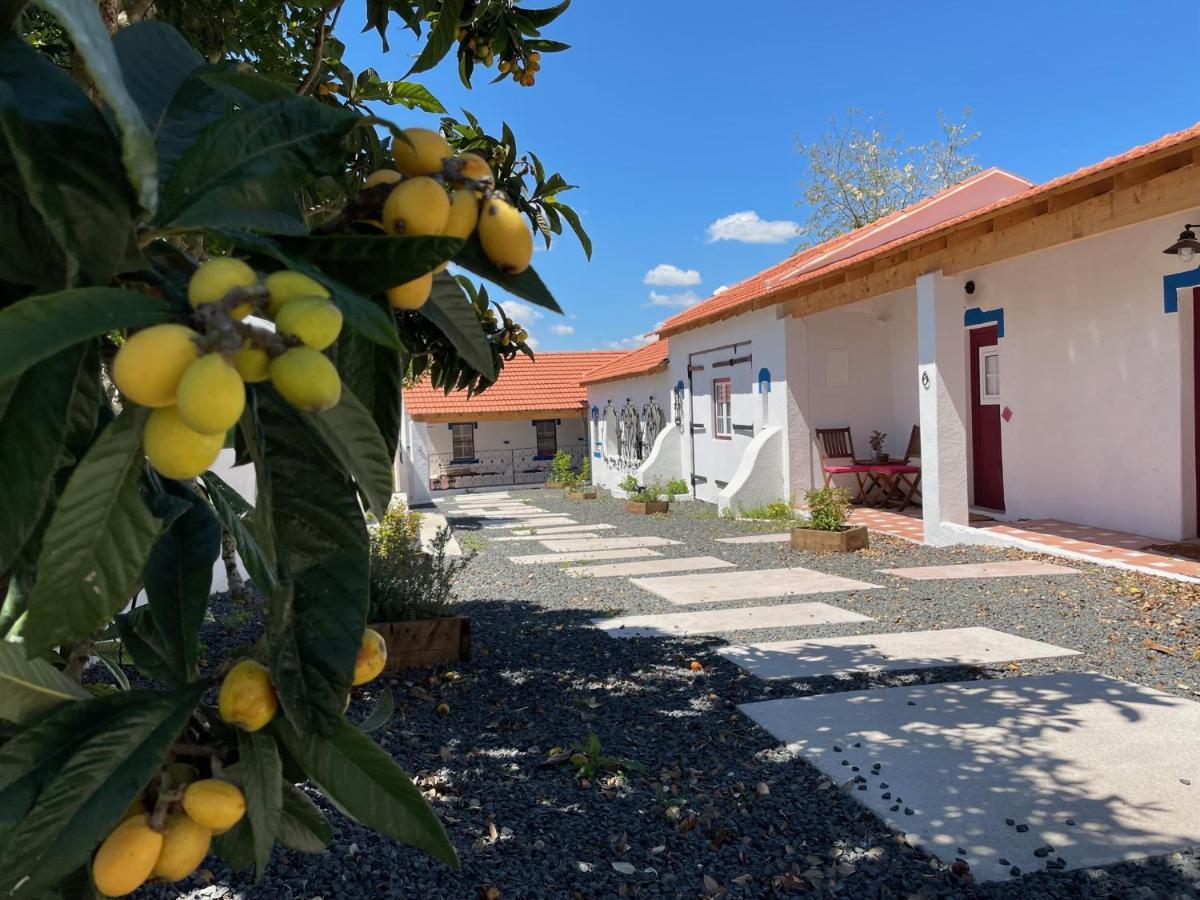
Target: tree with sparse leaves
[(858, 172), (203, 246)]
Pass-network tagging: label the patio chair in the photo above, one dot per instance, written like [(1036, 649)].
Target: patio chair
[(903, 478), (837, 444)]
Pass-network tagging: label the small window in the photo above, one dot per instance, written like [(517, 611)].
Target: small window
[(989, 376), (462, 435), (547, 437), (722, 409)]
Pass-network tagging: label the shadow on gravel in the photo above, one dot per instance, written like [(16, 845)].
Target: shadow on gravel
[(720, 809)]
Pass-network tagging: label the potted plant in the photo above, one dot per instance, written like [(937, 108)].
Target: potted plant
[(629, 484), (826, 530), (648, 500), (877, 440), (676, 487), (579, 486), (560, 469), (411, 601)]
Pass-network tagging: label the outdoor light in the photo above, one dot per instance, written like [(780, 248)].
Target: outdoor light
[(1187, 245)]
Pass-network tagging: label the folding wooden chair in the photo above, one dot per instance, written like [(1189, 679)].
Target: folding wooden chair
[(835, 444), (903, 479)]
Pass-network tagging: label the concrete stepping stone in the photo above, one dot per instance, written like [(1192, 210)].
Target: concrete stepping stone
[(533, 537), (1002, 569), (538, 522), (721, 586), (569, 529), (781, 538), (782, 615), (534, 559), (1096, 769), (886, 652), (499, 513), (616, 543), (651, 567)]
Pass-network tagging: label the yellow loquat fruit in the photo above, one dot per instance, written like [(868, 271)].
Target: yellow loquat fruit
[(416, 206), (211, 395), (174, 449), (306, 379), (422, 154), (411, 294), (316, 322), (149, 365), (246, 699), (216, 278), (507, 240)]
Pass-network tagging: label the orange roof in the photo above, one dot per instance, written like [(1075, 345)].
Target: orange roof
[(772, 283), (550, 382), (644, 360)]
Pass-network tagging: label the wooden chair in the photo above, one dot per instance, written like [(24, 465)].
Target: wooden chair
[(902, 479), (835, 444)]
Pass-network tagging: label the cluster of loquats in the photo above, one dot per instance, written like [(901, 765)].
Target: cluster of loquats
[(169, 842), (438, 192), (194, 379)]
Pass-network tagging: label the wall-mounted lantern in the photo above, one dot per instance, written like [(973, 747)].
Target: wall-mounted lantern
[(1187, 245)]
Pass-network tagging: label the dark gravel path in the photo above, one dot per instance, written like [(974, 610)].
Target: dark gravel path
[(719, 809)]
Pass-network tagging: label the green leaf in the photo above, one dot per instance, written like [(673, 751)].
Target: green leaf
[(363, 315), (301, 825), (261, 774), (454, 315), (29, 687), (572, 218), (29, 253), (39, 327), (91, 41), (113, 756), (527, 285), (236, 846), (155, 61), (33, 436), (69, 163), (441, 38), (97, 542), (238, 517), (357, 775), (146, 646), (243, 171), (409, 94), (540, 18), (373, 373), (379, 716), (351, 433), (178, 576), (372, 263)]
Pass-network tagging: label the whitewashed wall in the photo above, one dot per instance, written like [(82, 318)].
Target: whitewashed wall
[(607, 469)]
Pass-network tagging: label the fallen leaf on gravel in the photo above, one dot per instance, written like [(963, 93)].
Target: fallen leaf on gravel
[(489, 892), (743, 879), (712, 887), (762, 789), (625, 868), (1158, 648)]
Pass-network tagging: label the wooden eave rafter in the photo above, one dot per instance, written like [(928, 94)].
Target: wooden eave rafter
[(657, 370)]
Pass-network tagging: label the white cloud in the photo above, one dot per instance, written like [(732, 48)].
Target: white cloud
[(682, 300), (630, 343), (532, 342), (721, 289), (522, 312), (747, 227), (667, 275), (562, 330)]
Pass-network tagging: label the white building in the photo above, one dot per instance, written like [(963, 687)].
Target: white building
[(507, 434), (1038, 335)]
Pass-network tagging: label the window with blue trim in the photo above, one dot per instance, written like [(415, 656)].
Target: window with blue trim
[(547, 438), (462, 440)]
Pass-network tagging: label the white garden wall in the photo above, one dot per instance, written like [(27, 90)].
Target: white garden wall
[(606, 400)]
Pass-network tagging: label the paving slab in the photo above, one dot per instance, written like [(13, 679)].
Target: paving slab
[(721, 586), (1002, 569), (569, 529), (534, 559), (781, 615), (533, 537), (651, 567), (498, 513), (617, 543), (534, 523), (781, 538), (886, 652), (1096, 768)]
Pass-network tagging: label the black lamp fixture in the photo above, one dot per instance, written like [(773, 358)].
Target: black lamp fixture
[(1187, 245)]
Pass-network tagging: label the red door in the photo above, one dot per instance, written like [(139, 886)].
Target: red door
[(988, 467)]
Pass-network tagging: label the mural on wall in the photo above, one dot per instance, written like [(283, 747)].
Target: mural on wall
[(626, 438), (677, 405), (629, 438), (652, 424)]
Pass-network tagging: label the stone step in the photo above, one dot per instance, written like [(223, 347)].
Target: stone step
[(535, 522), (582, 556), (532, 537), (560, 545), (887, 652), (568, 529), (773, 538), (715, 621), (650, 567), (1096, 768), (752, 585), (1001, 569)]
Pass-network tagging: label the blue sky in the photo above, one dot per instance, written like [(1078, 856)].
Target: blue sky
[(673, 114)]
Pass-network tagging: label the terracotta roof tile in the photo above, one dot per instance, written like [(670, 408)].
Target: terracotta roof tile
[(790, 273), (644, 360), (551, 381)]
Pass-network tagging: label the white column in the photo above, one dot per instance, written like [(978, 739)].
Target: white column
[(942, 388)]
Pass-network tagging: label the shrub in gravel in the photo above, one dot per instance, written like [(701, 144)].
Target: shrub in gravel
[(406, 582)]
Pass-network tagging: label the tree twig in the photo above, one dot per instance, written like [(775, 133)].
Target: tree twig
[(319, 45)]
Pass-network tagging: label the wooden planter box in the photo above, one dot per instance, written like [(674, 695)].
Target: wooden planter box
[(425, 642), (844, 541), (555, 485), (580, 495), (649, 508)]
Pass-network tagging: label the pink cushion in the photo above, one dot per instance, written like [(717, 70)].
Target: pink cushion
[(844, 470), (897, 469)]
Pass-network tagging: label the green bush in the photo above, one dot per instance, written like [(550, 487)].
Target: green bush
[(585, 471), (561, 469), (406, 582), (827, 508), (676, 487), (629, 484), (777, 510), (650, 493)]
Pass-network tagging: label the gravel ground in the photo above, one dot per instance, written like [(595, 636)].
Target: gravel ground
[(719, 809)]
